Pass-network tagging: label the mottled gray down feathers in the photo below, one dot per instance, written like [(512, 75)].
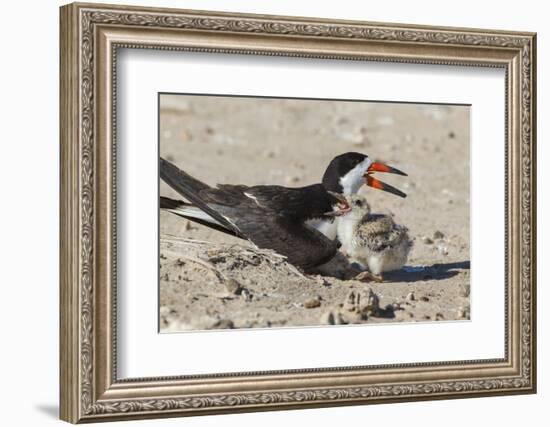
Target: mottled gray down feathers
[(374, 241), (379, 232)]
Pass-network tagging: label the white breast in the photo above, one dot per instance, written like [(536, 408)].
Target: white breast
[(346, 234), (328, 228), (388, 260)]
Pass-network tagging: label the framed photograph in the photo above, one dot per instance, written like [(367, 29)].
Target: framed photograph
[(266, 212)]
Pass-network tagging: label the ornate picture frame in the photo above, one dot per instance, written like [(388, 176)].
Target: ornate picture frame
[(90, 37)]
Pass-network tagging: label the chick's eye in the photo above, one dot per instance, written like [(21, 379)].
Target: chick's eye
[(358, 203)]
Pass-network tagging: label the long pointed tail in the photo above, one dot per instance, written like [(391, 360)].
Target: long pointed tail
[(190, 188)]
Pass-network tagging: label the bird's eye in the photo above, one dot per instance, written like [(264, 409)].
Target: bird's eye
[(358, 203)]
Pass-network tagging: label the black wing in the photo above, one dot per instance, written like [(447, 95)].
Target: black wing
[(255, 214), (298, 203), (303, 246)]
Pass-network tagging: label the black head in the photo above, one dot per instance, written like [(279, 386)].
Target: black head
[(347, 172), (339, 167)]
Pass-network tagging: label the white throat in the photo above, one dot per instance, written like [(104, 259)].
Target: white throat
[(353, 180)]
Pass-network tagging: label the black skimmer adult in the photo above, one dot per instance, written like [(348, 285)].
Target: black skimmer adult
[(346, 174), (373, 241), (270, 216)]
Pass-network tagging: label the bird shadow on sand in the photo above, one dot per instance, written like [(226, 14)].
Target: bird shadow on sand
[(339, 267), (424, 273)]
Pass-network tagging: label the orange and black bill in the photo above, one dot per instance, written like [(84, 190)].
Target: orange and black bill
[(381, 167), (374, 183)]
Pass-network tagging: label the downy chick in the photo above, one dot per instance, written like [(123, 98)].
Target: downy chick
[(374, 241)]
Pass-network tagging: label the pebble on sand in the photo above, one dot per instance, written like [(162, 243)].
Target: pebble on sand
[(333, 318), (233, 287), (463, 312), (443, 250), (224, 324), (313, 302), (350, 301), (365, 303), (270, 154), (465, 290), (426, 240), (293, 179), (246, 295), (438, 235), (369, 304)]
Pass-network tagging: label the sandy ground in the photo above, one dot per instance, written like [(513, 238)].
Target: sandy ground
[(211, 280)]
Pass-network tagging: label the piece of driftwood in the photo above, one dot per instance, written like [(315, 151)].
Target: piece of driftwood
[(204, 251)]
